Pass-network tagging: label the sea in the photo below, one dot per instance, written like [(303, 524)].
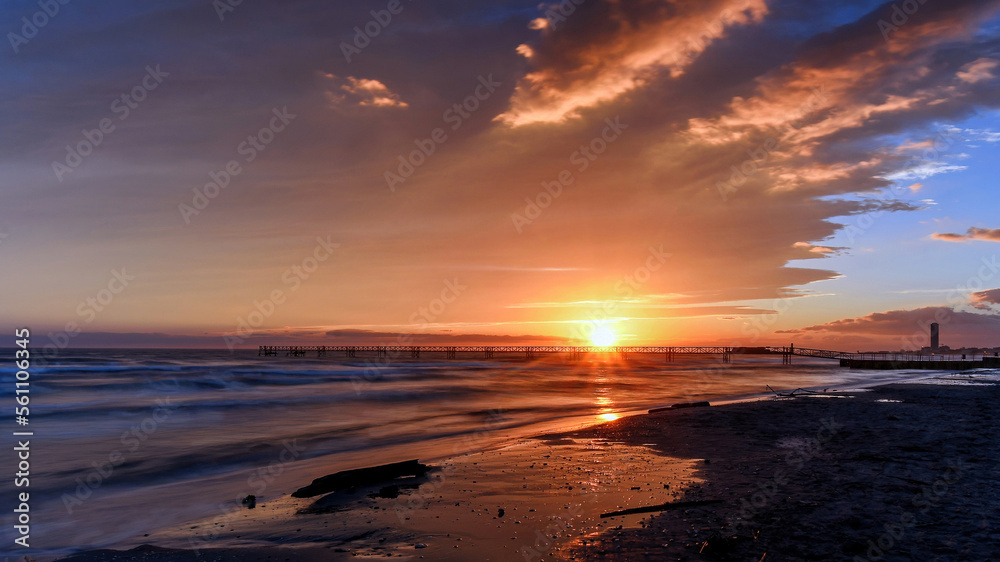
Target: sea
[(125, 442)]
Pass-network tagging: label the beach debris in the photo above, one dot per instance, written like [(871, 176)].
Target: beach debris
[(680, 405), (389, 492), (359, 477), (799, 391), (661, 507), (249, 501)]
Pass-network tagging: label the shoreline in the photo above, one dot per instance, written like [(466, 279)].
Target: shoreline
[(772, 464)]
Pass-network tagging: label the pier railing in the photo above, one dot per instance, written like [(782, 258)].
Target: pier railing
[(530, 351), (490, 351), (669, 352)]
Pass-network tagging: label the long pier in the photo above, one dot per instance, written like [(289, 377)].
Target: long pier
[(852, 360), (887, 361), (531, 351)]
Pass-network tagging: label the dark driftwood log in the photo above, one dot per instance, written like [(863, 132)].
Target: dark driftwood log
[(361, 477), (661, 507), (681, 405)]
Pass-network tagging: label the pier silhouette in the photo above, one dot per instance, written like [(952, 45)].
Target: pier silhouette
[(726, 353)]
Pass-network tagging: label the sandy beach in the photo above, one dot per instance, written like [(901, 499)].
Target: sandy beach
[(897, 472)]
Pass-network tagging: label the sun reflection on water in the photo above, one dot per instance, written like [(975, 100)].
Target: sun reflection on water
[(603, 401)]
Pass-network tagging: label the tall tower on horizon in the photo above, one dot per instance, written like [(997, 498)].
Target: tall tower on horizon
[(935, 336)]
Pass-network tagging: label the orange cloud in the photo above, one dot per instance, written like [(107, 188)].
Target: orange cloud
[(909, 329), (818, 115), (635, 48), (985, 299), (830, 89), (365, 92), (814, 249), (993, 235), (978, 70)]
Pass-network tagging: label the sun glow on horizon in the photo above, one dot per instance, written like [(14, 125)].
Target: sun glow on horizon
[(603, 336)]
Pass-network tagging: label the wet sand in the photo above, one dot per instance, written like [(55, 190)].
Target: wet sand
[(903, 472), (898, 472)]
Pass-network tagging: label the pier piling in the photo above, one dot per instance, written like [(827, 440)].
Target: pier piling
[(576, 353)]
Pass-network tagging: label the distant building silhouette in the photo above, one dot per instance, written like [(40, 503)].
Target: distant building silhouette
[(935, 337)]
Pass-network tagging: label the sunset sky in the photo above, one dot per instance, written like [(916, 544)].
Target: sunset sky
[(680, 172)]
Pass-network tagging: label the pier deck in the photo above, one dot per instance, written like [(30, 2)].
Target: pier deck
[(852, 360)]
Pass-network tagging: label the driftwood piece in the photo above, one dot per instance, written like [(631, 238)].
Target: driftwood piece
[(681, 405), (661, 507), (361, 477), (800, 391)]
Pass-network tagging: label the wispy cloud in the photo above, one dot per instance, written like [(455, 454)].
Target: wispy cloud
[(985, 299), (923, 171), (978, 70), (974, 233), (906, 328), (609, 48), (516, 268), (365, 92)]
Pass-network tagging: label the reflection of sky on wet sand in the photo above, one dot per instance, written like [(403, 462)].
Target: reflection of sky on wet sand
[(555, 489)]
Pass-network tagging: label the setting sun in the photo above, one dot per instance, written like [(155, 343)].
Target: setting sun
[(603, 336)]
